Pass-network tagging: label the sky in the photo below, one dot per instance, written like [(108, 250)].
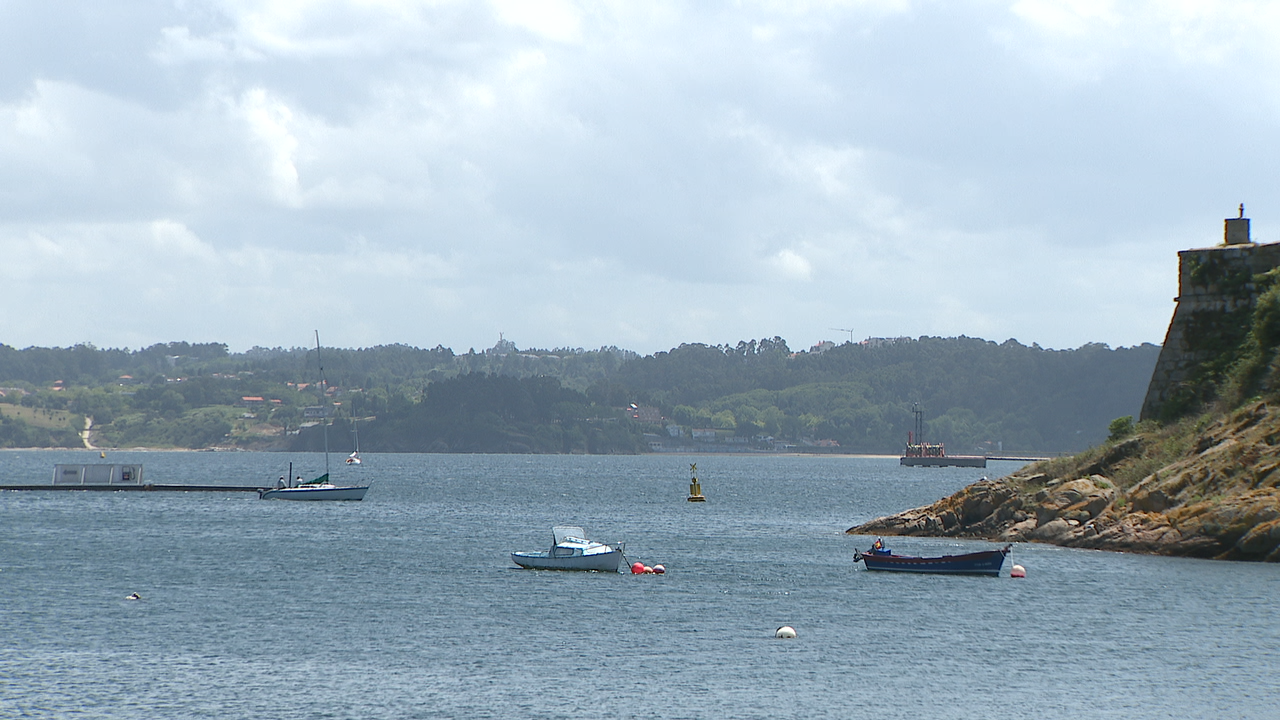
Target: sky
[(631, 174)]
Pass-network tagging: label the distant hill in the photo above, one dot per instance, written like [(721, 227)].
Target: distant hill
[(996, 397), (977, 395)]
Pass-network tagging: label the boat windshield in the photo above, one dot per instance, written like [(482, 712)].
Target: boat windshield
[(568, 533)]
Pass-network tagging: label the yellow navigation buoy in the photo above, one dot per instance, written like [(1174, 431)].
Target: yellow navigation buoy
[(695, 487)]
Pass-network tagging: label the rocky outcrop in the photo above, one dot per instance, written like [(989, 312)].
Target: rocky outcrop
[(1211, 491)]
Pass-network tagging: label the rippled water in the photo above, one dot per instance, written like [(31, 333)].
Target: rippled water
[(407, 605)]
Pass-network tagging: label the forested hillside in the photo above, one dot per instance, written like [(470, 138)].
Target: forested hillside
[(480, 413), (977, 395)]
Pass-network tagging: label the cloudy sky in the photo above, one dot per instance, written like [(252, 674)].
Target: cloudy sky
[(638, 174)]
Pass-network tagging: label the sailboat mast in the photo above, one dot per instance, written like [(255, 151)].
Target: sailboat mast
[(324, 403)]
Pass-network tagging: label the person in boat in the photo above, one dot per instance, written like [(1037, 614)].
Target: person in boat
[(878, 547), (280, 483)]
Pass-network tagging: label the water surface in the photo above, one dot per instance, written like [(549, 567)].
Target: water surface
[(406, 605)]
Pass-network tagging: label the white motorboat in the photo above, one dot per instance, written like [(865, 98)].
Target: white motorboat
[(571, 550)]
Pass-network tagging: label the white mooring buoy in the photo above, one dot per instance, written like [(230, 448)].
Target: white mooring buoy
[(785, 632)]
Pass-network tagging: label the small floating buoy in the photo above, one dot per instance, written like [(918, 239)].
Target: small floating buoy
[(659, 570), (648, 570), (1017, 571), (637, 568), (133, 596), (785, 632), (102, 454)]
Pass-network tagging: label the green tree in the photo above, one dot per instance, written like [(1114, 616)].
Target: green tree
[(1120, 428), (724, 420)]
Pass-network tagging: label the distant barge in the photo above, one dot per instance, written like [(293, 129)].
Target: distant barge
[(943, 460), (922, 454)]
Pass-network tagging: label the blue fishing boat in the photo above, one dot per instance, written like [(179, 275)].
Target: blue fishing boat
[(986, 562)]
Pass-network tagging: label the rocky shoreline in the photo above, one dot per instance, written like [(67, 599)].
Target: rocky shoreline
[(1207, 489)]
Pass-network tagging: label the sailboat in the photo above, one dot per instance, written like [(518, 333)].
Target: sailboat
[(320, 488), (354, 458)]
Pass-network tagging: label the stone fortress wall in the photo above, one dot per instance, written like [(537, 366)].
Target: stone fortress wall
[(1216, 295)]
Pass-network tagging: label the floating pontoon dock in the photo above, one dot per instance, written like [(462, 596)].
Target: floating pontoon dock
[(115, 476), (140, 487)]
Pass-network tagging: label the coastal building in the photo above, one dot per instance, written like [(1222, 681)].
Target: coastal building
[(1216, 296)]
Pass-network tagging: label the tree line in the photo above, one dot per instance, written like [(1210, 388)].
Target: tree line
[(977, 395)]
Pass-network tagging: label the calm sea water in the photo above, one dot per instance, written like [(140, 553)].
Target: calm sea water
[(406, 605)]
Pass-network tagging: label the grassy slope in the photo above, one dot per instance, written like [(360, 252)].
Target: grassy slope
[(39, 417)]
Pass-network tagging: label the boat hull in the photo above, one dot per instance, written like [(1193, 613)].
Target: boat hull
[(987, 562), (978, 461), (306, 493), (600, 562)]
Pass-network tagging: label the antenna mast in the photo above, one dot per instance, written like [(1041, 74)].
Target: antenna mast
[(324, 405), (915, 409), (845, 330)]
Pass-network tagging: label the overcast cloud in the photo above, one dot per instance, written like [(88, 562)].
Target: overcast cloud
[(637, 174)]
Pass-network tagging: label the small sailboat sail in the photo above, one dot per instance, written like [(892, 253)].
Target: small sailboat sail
[(354, 458)]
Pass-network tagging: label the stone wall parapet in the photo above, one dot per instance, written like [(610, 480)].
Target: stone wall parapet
[(1215, 289)]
